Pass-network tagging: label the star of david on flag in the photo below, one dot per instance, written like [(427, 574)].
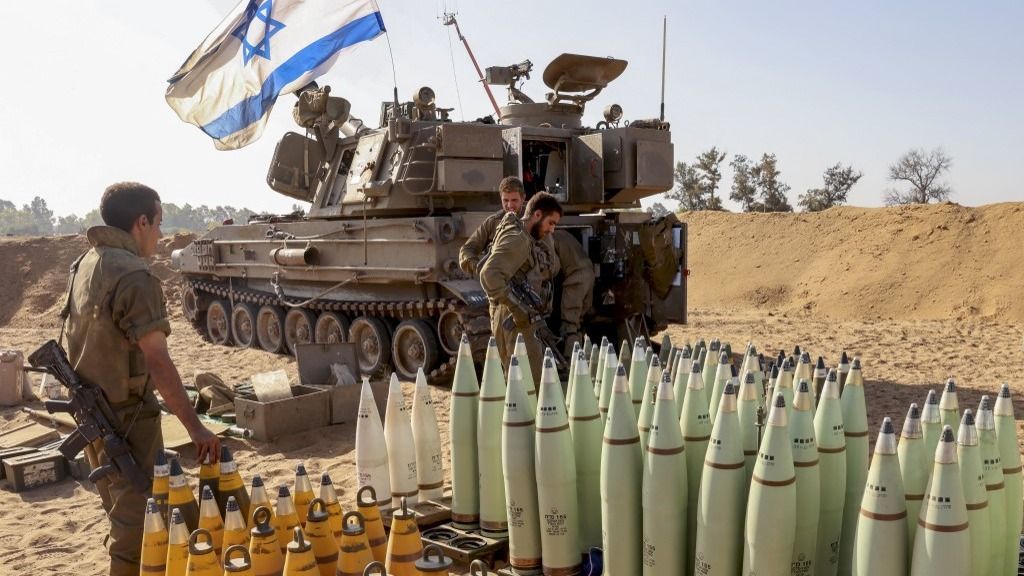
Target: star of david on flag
[(263, 48)]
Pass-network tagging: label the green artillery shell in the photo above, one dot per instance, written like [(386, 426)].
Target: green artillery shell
[(1006, 434), (555, 466), (588, 345), (574, 362), (493, 519), (808, 481), (770, 528), (695, 424), (972, 475), (749, 401), (621, 479), (855, 427), (625, 356), (722, 499), (681, 364), (462, 419), (371, 450), (881, 544), (710, 365), (602, 357), (828, 431), (586, 428), (666, 347), (427, 437), (804, 369), (931, 424), (995, 487), (611, 363), (592, 359), (752, 365), (943, 544), (517, 436), (949, 406), (637, 377), (723, 372), (664, 489), (672, 356), (646, 416), (785, 385), (820, 373), (401, 447), (913, 470), (524, 364), (680, 380), (844, 370)]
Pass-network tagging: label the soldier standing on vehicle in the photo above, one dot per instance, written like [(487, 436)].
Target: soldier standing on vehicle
[(513, 196), (117, 330), (520, 255)]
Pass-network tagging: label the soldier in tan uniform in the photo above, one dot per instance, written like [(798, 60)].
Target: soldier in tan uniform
[(521, 253), (117, 328), (513, 196), (576, 289)]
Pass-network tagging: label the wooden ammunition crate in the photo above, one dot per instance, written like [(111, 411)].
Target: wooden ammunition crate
[(308, 408), (8, 453), (32, 470)]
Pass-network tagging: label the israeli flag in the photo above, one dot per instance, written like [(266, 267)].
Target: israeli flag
[(263, 48)]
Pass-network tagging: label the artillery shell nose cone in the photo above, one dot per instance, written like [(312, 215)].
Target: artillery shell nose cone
[(519, 338), (465, 339), (161, 458), (151, 507), (932, 398), (786, 364), (620, 371), (844, 359), (968, 419), (666, 376), (549, 362), (780, 401), (1004, 391), (325, 479), (207, 493), (805, 357), (732, 371), (176, 517), (804, 386), (724, 358), (695, 368), (582, 356), (283, 492), (300, 470), (257, 481), (492, 343), (915, 412), (655, 362), (832, 376), (887, 427), (947, 434), (225, 454), (986, 403), (749, 378), (950, 385), (821, 363), (548, 353), (729, 389), (176, 468), (232, 505), (513, 362), (775, 371), (856, 363)]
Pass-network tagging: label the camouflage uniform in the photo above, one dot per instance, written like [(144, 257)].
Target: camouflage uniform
[(577, 286), (476, 246), (114, 301), (515, 255)]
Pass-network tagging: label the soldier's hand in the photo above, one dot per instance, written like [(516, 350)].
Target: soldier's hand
[(569, 340), (206, 442)]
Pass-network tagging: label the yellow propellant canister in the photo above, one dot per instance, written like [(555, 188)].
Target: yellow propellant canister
[(258, 497), (264, 550), (303, 493), (180, 496), (334, 511), (210, 520), (285, 519), (375, 536), (209, 475), (355, 552), (236, 533), (230, 484), (300, 561), (405, 546), (321, 537), (177, 545), (237, 561), (202, 558), (161, 475), (154, 541)]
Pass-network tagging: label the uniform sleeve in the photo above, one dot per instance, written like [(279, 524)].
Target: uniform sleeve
[(469, 254), (509, 251), (577, 280), (138, 306)]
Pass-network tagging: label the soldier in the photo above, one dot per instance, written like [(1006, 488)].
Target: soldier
[(117, 328), (577, 287), (512, 199), (521, 255)]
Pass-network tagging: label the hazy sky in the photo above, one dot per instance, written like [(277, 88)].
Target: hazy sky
[(814, 82)]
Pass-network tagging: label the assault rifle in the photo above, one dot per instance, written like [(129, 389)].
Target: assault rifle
[(94, 416), (522, 290)]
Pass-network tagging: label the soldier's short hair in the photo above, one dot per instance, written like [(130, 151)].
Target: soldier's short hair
[(124, 202), (544, 202), (511, 184)]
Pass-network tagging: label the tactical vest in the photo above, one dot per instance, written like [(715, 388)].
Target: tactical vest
[(98, 349), (540, 268)]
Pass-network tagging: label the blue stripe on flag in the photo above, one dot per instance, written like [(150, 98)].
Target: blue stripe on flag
[(252, 108)]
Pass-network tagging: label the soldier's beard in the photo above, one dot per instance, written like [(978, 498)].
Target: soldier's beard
[(535, 230)]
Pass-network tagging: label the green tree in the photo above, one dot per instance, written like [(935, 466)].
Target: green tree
[(70, 224), (771, 190), (687, 191), (839, 180), (657, 210), (710, 175), (744, 190), (922, 171)]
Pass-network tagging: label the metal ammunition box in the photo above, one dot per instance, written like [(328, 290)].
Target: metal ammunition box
[(308, 408), (32, 470), (8, 453)]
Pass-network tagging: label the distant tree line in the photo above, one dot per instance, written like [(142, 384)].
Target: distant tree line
[(37, 219), (758, 187)]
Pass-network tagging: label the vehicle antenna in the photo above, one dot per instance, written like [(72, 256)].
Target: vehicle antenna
[(449, 20), (664, 39), (391, 55)]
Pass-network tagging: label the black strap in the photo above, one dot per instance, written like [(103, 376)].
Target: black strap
[(66, 310)]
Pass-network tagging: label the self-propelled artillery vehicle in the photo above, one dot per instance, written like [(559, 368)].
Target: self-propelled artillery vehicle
[(374, 261)]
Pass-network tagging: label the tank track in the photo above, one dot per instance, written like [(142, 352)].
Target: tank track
[(440, 376)]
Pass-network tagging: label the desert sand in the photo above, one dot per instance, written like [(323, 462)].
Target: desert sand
[(919, 293)]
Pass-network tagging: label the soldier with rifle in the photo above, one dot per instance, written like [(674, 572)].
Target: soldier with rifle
[(117, 328), (517, 277)]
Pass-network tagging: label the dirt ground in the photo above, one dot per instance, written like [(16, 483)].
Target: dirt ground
[(916, 312)]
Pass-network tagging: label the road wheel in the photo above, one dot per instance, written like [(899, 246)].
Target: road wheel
[(191, 304), (331, 328), (373, 344), (414, 346), (298, 327), (243, 325), (270, 328), (218, 322), (449, 332)]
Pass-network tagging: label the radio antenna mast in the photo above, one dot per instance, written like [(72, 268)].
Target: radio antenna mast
[(664, 39), (449, 20)]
